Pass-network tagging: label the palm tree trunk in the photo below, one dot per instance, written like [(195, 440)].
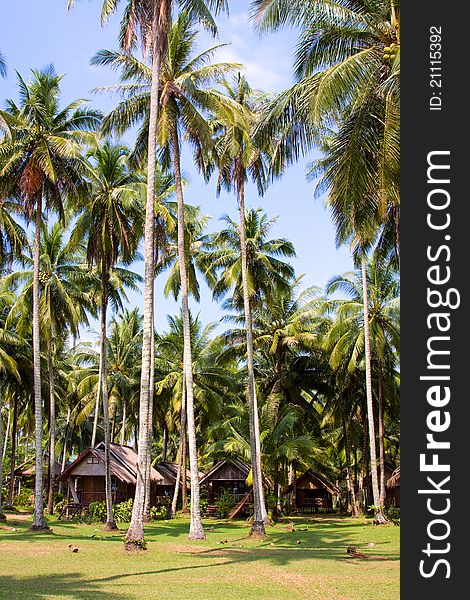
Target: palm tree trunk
[(148, 464), (50, 498), (2, 516), (292, 482), (135, 533), (122, 438), (260, 514), (97, 407), (165, 443), (184, 470), (7, 433), (181, 453), (196, 531), (381, 439), (110, 522), (379, 517), (39, 522), (14, 431), (350, 482), (64, 450)]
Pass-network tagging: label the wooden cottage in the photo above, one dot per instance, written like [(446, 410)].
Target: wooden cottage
[(25, 474), (226, 476), (169, 473), (85, 476), (313, 492), (392, 497)]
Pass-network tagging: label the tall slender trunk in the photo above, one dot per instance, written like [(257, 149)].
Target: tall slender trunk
[(64, 450), (181, 451), (122, 438), (148, 463), (381, 438), (196, 531), (260, 514), (378, 510), (2, 516), (165, 443), (350, 482), (135, 533), (184, 470), (14, 441), (50, 369), (7, 433), (110, 522), (292, 482), (39, 522), (97, 407)]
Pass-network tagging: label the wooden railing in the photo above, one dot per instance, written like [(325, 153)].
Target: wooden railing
[(87, 497)]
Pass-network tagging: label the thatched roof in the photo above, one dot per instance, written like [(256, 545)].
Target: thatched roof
[(170, 470), (394, 480), (316, 477), (237, 464), (28, 468), (122, 461)]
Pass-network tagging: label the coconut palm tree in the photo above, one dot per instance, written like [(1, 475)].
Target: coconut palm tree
[(210, 380), (238, 157), (148, 22), (8, 365), (347, 67), (110, 221), (66, 294), (41, 164), (124, 353), (183, 81), (362, 330), (269, 277)]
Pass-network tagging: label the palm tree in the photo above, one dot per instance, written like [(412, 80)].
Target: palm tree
[(238, 157), (8, 364), (269, 277), (41, 164), (66, 288), (148, 22), (349, 77), (124, 353), (368, 320), (110, 221), (183, 78), (211, 381)]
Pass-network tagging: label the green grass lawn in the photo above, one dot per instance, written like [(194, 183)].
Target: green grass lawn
[(228, 565)]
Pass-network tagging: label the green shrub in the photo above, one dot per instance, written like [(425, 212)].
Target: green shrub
[(393, 514), (224, 503), (96, 512), (161, 510), (24, 498), (59, 506), (123, 511)]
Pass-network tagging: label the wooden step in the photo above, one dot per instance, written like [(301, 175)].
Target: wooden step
[(236, 510)]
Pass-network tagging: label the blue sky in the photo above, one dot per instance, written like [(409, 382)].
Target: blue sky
[(35, 34)]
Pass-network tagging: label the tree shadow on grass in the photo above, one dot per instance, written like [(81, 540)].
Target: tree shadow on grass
[(38, 587)]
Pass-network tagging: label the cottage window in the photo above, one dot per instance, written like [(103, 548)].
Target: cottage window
[(92, 460)]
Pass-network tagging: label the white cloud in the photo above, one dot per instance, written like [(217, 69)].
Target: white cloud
[(267, 60)]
